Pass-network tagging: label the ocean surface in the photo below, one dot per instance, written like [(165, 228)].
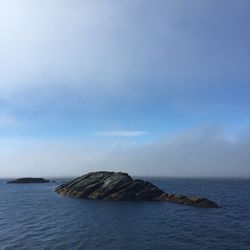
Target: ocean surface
[(33, 216)]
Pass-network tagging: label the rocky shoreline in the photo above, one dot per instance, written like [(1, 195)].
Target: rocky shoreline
[(117, 186)]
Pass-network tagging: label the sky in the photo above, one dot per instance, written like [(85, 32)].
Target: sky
[(152, 88)]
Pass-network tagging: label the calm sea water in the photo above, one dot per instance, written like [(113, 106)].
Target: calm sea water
[(33, 216)]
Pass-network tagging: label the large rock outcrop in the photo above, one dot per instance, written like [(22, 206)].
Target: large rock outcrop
[(119, 186), (28, 180)]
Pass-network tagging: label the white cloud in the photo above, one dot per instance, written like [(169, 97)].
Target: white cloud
[(122, 133), (49, 157), (96, 50), (206, 151), (62, 57)]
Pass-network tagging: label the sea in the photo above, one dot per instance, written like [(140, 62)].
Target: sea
[(33, 216)]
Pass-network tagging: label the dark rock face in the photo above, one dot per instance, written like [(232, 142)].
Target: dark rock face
[(191, 201), (28, 180), (121, 187)]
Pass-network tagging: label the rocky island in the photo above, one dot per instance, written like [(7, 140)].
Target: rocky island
[(117, 186), (28, 180)]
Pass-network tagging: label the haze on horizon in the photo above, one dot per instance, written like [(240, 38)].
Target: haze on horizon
[(147, 87)]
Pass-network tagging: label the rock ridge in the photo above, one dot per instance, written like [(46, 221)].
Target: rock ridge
[(118, 186)]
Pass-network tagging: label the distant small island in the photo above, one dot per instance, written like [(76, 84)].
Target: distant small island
[(28, 180), (117, 186)]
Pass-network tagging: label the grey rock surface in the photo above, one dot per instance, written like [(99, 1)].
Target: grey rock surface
[(119, 186)]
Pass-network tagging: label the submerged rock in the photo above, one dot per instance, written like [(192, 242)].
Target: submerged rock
[(119, 186), (28, 180)]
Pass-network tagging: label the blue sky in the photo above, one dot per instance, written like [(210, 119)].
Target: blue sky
[(88, 85)]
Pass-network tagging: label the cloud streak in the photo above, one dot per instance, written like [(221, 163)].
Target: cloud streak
[(122, 133), (199, 152)]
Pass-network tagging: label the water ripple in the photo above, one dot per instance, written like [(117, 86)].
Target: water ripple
[(35, 217)]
